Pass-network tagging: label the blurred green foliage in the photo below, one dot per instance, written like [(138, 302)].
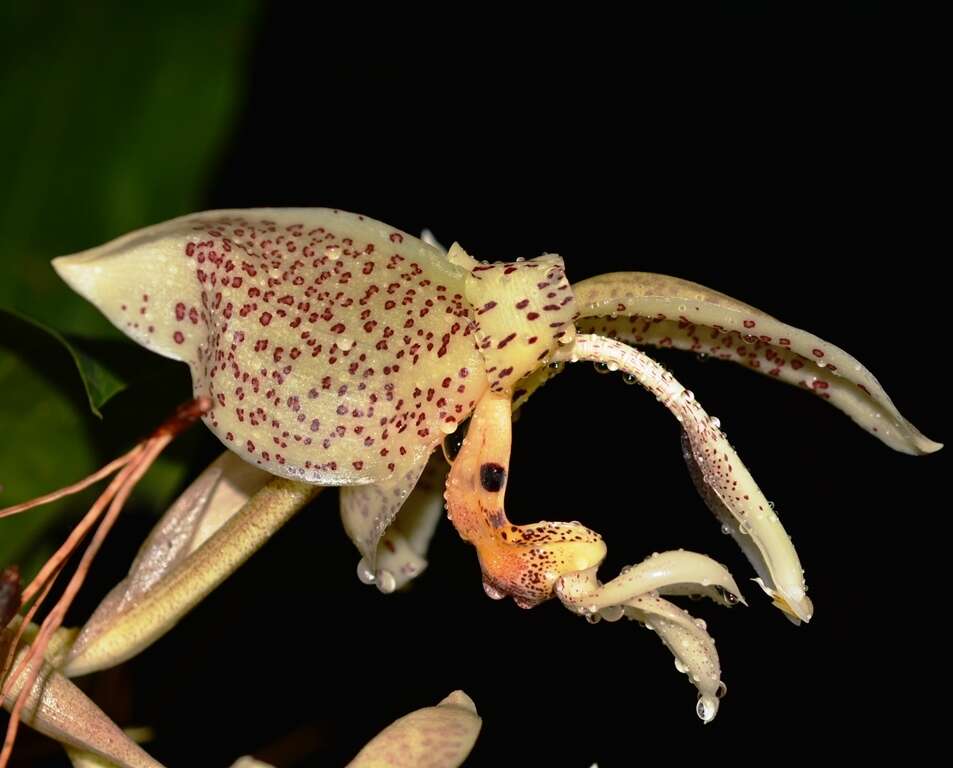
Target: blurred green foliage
[(114, 118)]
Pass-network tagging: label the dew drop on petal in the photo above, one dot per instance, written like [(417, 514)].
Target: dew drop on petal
[(364, 573), (706, 709), (612, 612), (492, 592), (386, 582)]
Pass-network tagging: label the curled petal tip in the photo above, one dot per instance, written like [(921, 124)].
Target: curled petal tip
[(797, 608)]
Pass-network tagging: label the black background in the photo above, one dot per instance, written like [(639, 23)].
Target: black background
[(786, 161)]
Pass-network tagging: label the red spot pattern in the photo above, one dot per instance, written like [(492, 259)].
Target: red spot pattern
[(311, 339)]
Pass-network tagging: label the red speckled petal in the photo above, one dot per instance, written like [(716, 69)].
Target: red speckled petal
[(720, 472), (435, 737), (648, 309), (335, 348)]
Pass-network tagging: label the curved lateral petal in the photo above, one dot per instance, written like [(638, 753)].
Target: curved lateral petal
[(60, 710), (677, 572), (402, 551), (649, 309), (434, 737), (719, 468), (367, 511), (689, 642)]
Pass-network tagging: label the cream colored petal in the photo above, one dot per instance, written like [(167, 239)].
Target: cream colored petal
[(119, 635), (689, 642), (658, 310), (367, 511), (719, 467), (676, 573), (402, 551), (58, 709), (317, 334), (435, 737)]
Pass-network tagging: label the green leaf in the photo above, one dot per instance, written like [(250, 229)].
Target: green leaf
[(113, 118), (100, 383)]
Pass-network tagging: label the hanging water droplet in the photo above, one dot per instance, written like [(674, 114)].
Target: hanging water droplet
[(386, 582), (688, 394), (448, 427), (628, 378), (700, 623), (702, 357), (555, 366), (333, 252), (725, 529), (625, 569), (743, 527), (680, 667), (706, 709), (601, 367), (716, 422), (612, 612), (594, 618), (613, 367), (364, 572), (722, 690), (492, 592)]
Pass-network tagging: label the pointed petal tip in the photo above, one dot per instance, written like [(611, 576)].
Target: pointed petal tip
[(459, 699), (797, 608)]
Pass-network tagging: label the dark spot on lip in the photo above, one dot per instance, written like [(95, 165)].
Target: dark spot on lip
[(492, 477)]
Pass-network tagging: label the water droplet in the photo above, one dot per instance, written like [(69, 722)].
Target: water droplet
[(682, 308), (680, 667), (700, 623), (743, 527), (364, 572), (688, 394), (722, 690), (333, 252), (706, 709), (725, 529), (716, 422), (556, 366), (601, 367), (345, 344), (702, 357), (612, 612), (448, 427), (594, 618), (628, 378), (386, 582), (625, 569), (613, 367), (492, 592)]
